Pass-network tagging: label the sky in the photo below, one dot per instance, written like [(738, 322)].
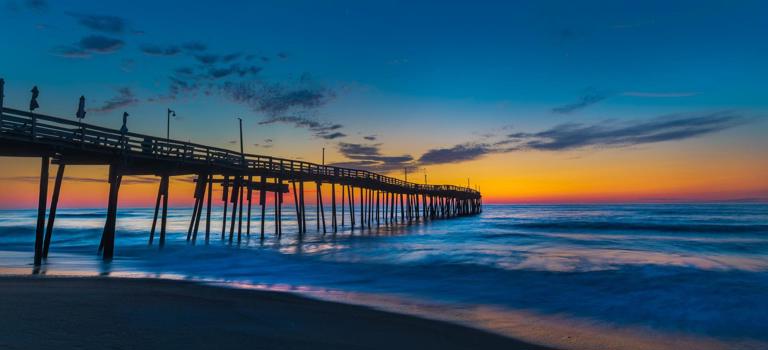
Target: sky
[(529, 101)]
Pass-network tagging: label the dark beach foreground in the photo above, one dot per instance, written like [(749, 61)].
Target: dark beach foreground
[(117, 313)]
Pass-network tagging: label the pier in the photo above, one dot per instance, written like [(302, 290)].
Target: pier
[(359, 198)]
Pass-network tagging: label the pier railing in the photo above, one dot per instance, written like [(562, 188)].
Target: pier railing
[(44, 129)]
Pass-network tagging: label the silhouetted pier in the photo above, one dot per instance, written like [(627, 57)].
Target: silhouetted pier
[(366, 199)]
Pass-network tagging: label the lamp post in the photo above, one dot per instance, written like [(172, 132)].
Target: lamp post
[(169, 114), (242, 151), (323, 156)]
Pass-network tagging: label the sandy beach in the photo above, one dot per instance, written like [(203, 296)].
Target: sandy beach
[(117, 313)]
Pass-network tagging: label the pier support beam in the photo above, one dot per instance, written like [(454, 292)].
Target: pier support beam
[(42, 201), (333, 207), (208, 209), (320, 204), (108, 237), (225, 199), (164, 184), (52, 212)]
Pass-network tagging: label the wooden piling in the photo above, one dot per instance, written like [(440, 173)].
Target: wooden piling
[(108, 236), (42, 200), (263, 203), (157, 208), (208, 209), (333, 207), (250, 197), (320, 204), (235, 191), (296, 205), (52, 212), (164, 184), (225, 198)]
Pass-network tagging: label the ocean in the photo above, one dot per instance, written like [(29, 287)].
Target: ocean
[(576, 276)]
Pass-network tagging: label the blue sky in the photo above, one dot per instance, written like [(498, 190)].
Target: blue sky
[(420, 76)]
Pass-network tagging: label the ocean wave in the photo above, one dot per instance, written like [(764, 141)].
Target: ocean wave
[(637, 226)]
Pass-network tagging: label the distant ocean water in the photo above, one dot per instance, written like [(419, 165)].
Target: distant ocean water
[(693, 271)]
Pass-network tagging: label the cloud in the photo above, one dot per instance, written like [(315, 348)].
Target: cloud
[(370, 137), (610, 134), (285, 104), (34, 5), (194, 46), (38, 5), (282, 55), (89, 45), (278, 99), (267, 144), (333, 136), (234, 77), (105, 24), (124, 99), (319, 129), (658, 94), (665, 128), (127, 65), (207, 58), (455, 154), (369, 157), (157, 50), (588, 99)]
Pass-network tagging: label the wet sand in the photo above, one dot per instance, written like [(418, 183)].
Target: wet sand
[(117, 313)]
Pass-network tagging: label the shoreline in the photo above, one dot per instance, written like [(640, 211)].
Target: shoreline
[(103, 312)]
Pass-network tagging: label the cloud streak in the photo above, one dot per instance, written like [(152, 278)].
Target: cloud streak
[(658, 94), (157, 50), (89, 45), (585, 101), (369, 157), (572, 136), (455, 154), (662, 129), (104, 24), (124, 98)]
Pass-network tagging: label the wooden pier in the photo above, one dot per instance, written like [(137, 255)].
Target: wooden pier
[(367, 199)]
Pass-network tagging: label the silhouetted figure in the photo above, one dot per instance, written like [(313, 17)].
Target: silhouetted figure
[(124, 128), (81, 109), (80, 115), (33, 105)]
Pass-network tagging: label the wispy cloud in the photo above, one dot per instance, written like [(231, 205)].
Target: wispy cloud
[(124, 98), (589, 98), (34, 5), (194, 46), (100, 23), (609, 134), (455, 154), (320, 129), (370, 137), (369, 157), (158, 50), (658, 94), (621, 134), (89, 45)]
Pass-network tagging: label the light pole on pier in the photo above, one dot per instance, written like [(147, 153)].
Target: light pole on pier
[(169, 114), (242, 151), (323, 156)]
